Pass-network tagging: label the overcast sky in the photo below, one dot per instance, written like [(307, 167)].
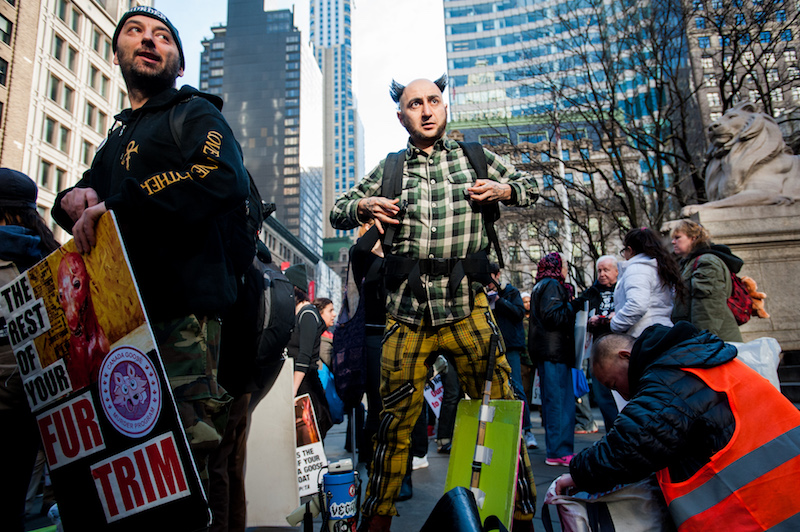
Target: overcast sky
[(401, 39)]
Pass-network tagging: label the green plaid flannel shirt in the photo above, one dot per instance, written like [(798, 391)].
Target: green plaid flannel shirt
[(439, 222)]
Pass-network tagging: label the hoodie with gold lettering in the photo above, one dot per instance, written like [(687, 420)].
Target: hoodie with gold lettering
[(171, 199)]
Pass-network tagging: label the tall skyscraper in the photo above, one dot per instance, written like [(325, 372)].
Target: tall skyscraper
[(59, 89), (272, 87), (330, 31)]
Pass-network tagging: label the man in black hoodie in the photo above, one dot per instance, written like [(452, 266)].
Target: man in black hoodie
[(172, 172), (723, 441)]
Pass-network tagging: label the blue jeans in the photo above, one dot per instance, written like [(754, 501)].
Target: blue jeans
[(513, 358), (558, 408), (604, 400)]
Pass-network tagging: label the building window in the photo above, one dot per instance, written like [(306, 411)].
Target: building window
[(3, 71), (704, 42), (789, 56), (49, 130), (91, 115), (714, 116), (61, 9), (87, 153), (93, 77), (748, 57), (5, 29), (707, 62), (753, 95), (547, 182), (796, 94), (45, 170), (713, 99), (101, 122), (75, 20), (63, 139), (772, 75), (700, 23), (792, 73), (780, 15), (786, 35), (738, 19), (54, 90), (776, 95), (765, 37), (710, 80)]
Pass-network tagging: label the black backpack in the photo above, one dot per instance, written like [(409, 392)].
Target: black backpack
[(258, 327), (348, 356)]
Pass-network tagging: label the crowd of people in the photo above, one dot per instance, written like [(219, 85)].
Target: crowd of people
[(668, 387)]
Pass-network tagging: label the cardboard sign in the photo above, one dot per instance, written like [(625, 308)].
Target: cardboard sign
[(94, 379), (434, 393), (310, 453)]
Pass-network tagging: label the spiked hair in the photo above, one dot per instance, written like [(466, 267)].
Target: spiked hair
[(396, 90)]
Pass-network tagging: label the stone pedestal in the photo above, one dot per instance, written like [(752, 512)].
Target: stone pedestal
[(767, 238)]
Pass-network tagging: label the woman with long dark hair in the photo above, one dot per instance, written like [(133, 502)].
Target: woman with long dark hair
[(304, 347), (648, 281), (25, 239), (551, 346)]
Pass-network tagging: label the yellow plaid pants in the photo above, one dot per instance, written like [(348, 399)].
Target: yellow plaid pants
[(404, 371)]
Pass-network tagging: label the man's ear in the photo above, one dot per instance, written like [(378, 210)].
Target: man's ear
[(180, 73), (625, 354), (116, 59), (400, 118)]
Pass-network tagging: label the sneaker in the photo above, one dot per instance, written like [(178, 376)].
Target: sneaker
[(563, 461), (530, 440), (444, 448), (419, 462)]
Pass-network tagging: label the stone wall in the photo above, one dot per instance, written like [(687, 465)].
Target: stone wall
[(767, 238)]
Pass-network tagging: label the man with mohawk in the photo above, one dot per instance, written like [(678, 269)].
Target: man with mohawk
[(434, 203)]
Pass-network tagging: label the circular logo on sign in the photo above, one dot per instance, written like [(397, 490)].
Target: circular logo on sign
[(130, 391), (352, 490)]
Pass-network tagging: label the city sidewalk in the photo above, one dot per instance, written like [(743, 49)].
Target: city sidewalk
[(428, 483)]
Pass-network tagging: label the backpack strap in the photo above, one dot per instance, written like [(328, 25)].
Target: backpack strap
[(490, 213), (392, 187), (177, 116)]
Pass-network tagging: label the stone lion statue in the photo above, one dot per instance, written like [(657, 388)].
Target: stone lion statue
[(749, 162)]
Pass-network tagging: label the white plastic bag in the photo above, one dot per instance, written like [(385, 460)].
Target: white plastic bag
[(637, 507), (763, 355)]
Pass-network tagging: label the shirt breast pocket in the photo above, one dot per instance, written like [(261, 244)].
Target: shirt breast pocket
[(459, 197)]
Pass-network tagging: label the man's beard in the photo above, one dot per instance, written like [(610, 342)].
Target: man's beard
[(149, 81)]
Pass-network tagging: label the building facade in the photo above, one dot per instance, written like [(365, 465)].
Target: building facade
[(330, 32), (272, 89), (61, 88), (744, 50)]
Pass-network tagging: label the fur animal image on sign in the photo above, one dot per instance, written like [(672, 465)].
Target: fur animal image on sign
[(129, 389), (749, 162), (88, 343)]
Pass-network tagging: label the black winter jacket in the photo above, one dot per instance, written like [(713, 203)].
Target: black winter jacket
[(673, 420), (509, 311), (551, 336), (171, 199)]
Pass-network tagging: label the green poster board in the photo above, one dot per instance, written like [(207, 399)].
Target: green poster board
[(498, 479)]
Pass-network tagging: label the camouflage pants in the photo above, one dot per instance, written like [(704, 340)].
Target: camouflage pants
[(189, 348)]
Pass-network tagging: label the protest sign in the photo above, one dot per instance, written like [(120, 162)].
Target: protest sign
[(94, 380), (434, 393), (310, 453)]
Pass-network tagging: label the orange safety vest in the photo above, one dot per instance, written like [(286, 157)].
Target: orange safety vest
[(753, 483)]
